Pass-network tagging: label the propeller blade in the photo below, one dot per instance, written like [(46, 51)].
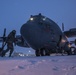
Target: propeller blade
[(4, 34), (4, 37), (62, 26)]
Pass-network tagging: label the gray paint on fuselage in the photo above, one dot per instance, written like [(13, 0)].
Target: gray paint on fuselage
[(41, 33)]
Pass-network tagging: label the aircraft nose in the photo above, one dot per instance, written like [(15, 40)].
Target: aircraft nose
[(23, 28)]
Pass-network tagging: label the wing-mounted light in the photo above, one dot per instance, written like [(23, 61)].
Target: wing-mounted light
[(63, 41), (69, 45)]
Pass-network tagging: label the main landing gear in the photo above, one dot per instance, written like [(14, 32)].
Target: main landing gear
[(42, 52), (72, 51)]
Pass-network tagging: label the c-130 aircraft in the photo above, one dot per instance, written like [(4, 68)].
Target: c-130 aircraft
[(44, 36)]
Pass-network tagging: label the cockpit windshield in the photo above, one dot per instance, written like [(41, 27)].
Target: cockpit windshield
[(39, 18)]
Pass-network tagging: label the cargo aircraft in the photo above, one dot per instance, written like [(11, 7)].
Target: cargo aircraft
[(44, 36)]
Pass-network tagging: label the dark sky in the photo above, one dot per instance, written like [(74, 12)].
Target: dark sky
[(14, 13)]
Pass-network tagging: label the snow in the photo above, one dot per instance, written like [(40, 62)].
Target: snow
[(46, 65)]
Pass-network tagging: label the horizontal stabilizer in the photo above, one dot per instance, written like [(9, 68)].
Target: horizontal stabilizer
[(70, 33)]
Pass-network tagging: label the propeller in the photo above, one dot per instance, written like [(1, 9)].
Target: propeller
[(4, 34), (62, 26), (4, 37)]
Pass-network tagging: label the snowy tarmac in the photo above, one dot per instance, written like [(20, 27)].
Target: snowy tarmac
[(47, 65)]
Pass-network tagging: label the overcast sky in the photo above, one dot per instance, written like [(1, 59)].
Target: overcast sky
[(14, 13)]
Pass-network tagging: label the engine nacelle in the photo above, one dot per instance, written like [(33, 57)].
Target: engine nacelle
[(20, 41)]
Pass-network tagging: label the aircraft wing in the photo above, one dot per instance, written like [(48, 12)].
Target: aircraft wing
[(2, 39), (70, 33), (21, 42)]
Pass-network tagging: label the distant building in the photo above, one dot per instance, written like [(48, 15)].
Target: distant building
[(21, 54)]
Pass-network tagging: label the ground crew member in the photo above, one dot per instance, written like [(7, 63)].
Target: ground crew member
[(9, 41)]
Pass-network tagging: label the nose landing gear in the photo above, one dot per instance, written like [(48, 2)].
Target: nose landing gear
[(42, 52)]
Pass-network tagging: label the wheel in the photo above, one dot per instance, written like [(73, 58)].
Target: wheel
[(69, 52), (47, 52), (37, 52), (75, 52), (44, 52)]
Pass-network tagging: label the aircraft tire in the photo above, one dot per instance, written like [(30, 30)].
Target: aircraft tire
[(37, 52), (69, 52), (75, 52), (47, 53), (42, 52)]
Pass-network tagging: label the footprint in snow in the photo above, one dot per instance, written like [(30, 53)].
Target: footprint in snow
[(19, 67), (55, 68), (73, 67), (55, 60)]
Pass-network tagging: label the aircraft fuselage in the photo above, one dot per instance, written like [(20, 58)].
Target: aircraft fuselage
[(41, 32)]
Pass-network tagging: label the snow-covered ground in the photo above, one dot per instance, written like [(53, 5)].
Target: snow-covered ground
[(47, 65)]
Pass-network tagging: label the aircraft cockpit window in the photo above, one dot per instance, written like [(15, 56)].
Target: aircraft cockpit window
[(48, 19), (31, 18), (37, 18), (44, 18)]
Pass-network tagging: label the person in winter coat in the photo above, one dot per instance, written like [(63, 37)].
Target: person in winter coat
[(9, 42)]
